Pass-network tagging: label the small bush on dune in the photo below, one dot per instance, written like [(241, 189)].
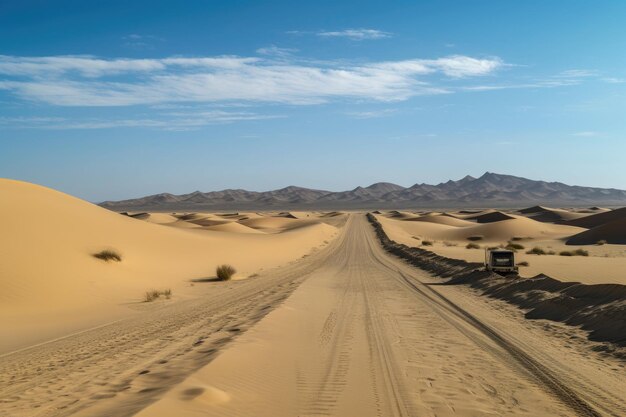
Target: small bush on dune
[(472, 246), (475, 238), (514, 246), (537, 251), (156, 294), (427, 243), (108, 255), (577, 252), (523, 263), (517, 238), (225, 272), (601, 242)]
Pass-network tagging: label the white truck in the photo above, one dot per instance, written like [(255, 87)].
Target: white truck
[(501, 261)]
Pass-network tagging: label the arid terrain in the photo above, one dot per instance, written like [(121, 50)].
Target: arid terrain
[(330, 313)]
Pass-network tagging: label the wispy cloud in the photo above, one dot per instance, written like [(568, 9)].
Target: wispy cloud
[(355, 34), (562, 79), (167, 121), (93, 81), (614, 80), (586, 134), (137, 41), (372, 114), (275, 51)]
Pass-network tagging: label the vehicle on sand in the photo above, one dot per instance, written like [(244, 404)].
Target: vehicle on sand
[(500, 261)]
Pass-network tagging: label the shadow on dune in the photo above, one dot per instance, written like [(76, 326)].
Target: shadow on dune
[(206, 279)]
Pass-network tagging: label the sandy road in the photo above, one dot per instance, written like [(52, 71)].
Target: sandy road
[(356, 333)]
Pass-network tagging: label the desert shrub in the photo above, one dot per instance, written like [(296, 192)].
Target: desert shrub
[(523, 263), (446, 243), (566, 253), (156, 294), (108, 255), (475, 238), (537, 251), (427, 243), (472, 245), (225, 272), (581, 252), (601, 242), (517, 238), (514, 246)]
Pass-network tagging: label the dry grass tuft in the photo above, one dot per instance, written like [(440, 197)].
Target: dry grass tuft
[(156, 294), (577, 252), (601, 242), (475, 238), (472, 245), (537, 251), (108, 255), (427, 243), (523, 263), (514, 246), (225, 272)]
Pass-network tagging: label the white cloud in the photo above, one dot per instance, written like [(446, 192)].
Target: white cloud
[(614, 80), (355, 34), (276, 51), (137, 41), (373, 114), (166, 121), (92, 81), (586, 134)]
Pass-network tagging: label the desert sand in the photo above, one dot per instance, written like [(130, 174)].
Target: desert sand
[(52, 285), (319, 320), (606, 263)]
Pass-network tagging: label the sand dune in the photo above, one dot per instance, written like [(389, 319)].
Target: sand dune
[(507, 229), (534, 209), (494, 231), (551, 215), (51, 283), (158, 218), (471, 214), (441, 219), (495, 216), (613, 232), (599, 219), (276, 223), (395, 214), (232, 227)]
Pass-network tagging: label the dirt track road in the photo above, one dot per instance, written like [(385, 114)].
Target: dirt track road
[(356, 333)]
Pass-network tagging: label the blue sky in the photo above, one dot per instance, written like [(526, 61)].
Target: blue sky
[(111, 100)]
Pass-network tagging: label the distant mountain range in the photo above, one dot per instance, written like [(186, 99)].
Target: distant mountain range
[(490, 190)]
